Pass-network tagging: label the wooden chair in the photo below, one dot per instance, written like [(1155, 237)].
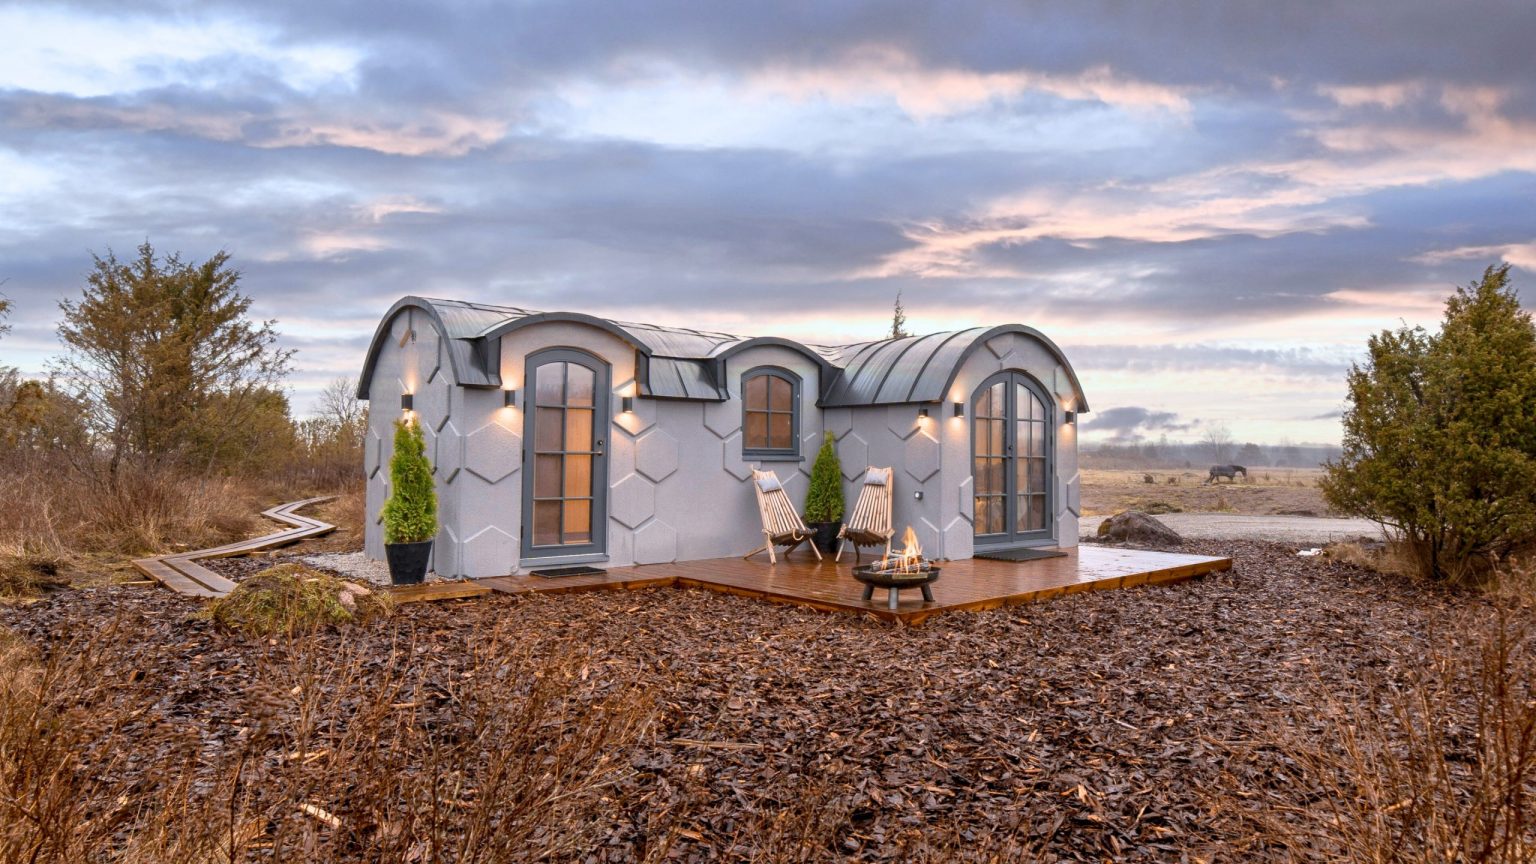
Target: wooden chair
[(870, 522), (782, 525)]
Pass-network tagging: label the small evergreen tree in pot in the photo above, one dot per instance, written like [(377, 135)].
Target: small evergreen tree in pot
[(410, 514), (824, 498)]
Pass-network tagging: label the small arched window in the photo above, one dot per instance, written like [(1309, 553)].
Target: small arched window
[(770, 414)]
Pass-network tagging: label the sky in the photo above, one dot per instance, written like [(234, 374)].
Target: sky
[(1208, 206)]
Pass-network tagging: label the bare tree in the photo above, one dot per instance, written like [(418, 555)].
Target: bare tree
[(338, 403), (1217, 443)]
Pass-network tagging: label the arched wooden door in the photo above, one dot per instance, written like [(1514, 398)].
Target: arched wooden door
[(1013, 457), (565, 480)]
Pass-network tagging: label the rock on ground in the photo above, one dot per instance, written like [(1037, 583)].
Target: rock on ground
[(1133, 526)]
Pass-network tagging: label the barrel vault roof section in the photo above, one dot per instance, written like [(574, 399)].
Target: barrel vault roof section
[(679, 363)]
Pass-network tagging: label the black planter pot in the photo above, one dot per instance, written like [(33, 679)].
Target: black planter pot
[(408, 561), (826, 535)]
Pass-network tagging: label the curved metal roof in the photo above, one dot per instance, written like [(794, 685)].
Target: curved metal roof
[(678, 363)]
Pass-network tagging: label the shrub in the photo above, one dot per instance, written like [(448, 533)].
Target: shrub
[(1440, 433), (291, 598), (410, 514), (28, 575), (824, 497)]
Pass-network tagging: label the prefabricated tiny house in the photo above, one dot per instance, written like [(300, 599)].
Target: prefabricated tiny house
[(563, 438)]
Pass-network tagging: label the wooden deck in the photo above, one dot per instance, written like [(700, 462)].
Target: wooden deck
[(968, 585)]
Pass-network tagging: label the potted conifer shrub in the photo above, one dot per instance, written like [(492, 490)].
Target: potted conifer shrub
[(824, 498), (410, 514)]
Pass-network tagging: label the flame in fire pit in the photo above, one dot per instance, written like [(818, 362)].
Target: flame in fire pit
[(908, 560)]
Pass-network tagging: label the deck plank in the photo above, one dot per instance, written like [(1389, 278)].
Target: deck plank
[(219, 585), (429, 592)]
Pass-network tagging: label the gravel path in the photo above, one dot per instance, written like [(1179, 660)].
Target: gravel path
[(1291, 530)]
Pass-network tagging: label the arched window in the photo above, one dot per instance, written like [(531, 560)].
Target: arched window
[(770, 414)]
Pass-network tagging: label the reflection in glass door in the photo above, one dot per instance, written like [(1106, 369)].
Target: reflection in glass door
[(566, 419), (1011, 441)]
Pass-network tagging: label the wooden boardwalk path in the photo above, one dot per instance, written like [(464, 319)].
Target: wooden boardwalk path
[(181, 573)]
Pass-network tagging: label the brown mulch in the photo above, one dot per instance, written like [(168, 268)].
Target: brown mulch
[(1114, 725)]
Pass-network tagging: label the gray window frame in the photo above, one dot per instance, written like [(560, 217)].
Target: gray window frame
[(1012, 537), (773, 454), (602, 420)]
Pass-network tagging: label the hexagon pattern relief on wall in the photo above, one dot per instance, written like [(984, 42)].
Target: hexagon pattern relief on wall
[(632, 501), (902, 420), (449, 457), (928, 534), (429, 442), (730, 458), (838, 421), (968, 499), (853, 453), (656, 455), (431, 402), (959, 538), (920, 457), (429, 354), (656, 543), (722, 418), (1001, 346), (379, 492), (492, 452), (795, 483), (491, 551), (1075, 495), (373, 447), (637, 421)]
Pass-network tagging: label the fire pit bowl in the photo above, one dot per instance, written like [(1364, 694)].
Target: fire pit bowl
[(874, 576)]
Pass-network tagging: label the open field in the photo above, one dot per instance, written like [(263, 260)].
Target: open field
[(1146, 724), (1267, 491)]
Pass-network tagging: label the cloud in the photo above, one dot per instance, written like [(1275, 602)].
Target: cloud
[(1187, 202), (1133, 421)]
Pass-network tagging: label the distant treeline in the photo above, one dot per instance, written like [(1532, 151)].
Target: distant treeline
[(1179, 454)]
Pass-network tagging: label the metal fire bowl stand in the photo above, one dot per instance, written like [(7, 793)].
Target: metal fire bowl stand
[(873, 579)]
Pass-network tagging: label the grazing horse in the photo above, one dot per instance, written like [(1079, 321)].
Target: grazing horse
[(1228, 471)]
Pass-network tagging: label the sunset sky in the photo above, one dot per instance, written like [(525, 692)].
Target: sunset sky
[(1209, 206)]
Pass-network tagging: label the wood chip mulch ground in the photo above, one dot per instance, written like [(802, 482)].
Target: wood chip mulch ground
[(1114, 725)]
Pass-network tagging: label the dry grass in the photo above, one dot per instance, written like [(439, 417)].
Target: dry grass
[(28, 575), (54, 510), (291, 598), (1267, 491), (60, 511), (350, 757), (1445, 771)]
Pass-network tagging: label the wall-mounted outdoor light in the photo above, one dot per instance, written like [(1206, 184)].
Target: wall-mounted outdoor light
[(627, 404), (407, 401), (922, 413), (1071, 416), (509, 398), (959, 409)]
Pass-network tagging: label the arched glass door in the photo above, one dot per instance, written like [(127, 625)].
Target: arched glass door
[(1012, 459), (565, 457)]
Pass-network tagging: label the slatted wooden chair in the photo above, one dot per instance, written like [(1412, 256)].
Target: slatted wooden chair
[(870, 522), (782, 525)]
